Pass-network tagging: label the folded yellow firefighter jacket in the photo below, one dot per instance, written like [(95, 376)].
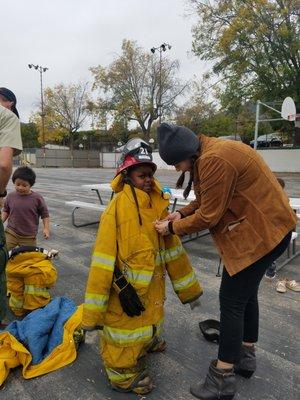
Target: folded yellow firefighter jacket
[(144, 257), (14, 354)]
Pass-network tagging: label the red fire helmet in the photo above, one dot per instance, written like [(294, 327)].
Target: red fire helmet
[(130, 161)]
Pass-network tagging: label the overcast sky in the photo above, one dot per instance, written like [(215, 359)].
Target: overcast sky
[(69, 36)]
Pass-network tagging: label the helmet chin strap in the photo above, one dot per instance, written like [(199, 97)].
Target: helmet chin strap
[(128, 180)]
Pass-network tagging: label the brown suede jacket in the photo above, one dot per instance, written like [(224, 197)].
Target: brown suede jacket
[(239, 200)]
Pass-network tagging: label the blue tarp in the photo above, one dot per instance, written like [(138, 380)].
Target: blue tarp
[(42, 330)]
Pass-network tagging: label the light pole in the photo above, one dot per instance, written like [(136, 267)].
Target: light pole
[(41, 71), (163, 47)]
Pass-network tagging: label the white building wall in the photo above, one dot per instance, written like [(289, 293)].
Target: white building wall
[(280, 160)]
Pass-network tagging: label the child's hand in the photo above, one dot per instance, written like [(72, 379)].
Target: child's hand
[(46, 233), (162, 227)]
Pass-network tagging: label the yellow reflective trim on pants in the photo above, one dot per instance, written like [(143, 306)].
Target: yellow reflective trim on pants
[(96, 302), (38, 291), (127, 337), (115, 376), (15, 302), (103, 261), (167, 255), (142, 277), (184, 282)]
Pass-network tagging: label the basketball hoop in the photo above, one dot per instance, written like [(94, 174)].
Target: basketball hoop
[(288, 109), (288, 112), (293, 117)]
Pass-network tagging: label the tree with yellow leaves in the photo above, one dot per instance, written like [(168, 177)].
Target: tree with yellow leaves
[(66, 110)]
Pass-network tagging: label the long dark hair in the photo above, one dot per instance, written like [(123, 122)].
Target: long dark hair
[(13, 108), (181, 179)]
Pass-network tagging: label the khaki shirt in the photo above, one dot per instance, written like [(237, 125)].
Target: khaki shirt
[(10, 130)]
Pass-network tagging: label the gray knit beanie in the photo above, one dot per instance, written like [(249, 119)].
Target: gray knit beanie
[(176, 143)]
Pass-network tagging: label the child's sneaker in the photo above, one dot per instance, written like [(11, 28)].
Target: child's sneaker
[(158, 345), (143, 384)]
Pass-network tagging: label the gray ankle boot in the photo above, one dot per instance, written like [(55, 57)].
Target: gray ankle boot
[(219, 384), (247, 364)]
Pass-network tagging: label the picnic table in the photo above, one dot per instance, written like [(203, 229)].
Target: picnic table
[(97, 187), (177, 197), (295, 204), (100, 188)]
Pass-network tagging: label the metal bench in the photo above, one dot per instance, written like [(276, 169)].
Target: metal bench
[(89, 206)]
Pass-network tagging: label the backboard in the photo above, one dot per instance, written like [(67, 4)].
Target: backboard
[(288, 109)]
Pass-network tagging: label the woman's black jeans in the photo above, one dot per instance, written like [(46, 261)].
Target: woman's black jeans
[(239, 305)]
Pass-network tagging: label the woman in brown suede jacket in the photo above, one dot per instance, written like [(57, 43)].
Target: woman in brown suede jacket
[(240, 201)]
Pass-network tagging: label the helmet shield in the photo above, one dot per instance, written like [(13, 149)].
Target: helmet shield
[(139, 149), (136, 151)]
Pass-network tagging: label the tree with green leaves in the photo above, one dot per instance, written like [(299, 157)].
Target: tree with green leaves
[(255, 48), (254, 45), (136, 87), (204, 116), (30, 135)]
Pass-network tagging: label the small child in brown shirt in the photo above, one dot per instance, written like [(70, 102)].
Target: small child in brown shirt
[(23, 208)]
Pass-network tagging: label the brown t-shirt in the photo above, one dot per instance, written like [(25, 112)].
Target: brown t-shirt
[(24, 212)]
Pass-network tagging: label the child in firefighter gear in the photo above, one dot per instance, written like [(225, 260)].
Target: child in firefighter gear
[(126, 286), (22, 209), (30, 274)]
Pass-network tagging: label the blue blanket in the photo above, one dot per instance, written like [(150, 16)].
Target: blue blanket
[(42, 330)]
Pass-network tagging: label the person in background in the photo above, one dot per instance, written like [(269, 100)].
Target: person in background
[(22, 209), (10, 145)]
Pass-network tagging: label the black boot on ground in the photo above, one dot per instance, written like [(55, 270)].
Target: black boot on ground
[(219, 384), (247, 364)]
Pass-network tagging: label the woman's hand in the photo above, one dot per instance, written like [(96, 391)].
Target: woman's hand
[(162, 227), (175, 216)]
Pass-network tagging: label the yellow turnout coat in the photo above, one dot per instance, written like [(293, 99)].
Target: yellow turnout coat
[(144, 257)]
